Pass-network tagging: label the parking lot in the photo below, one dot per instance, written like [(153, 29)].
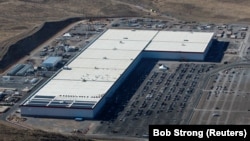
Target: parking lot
[(225, 99), (164, 97)]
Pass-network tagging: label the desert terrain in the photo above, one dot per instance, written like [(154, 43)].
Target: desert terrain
[(20, 17), (10, 133)]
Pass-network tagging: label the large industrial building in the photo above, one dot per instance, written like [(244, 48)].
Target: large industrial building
[(97, 72)]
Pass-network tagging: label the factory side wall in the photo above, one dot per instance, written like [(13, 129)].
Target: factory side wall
[(124, 75), (208, 47), (99, 105), (173, 55), (56, 112), (117, 84)]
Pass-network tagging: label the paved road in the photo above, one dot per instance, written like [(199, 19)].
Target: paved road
[(244, 45), (15, 107)]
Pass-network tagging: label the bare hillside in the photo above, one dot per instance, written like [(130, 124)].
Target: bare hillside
[(19, 17), (200, 10)]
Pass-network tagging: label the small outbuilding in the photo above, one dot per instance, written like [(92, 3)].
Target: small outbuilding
[(51, 62)]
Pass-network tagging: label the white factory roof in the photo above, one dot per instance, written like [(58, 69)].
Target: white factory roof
[(180, 41), (96, 69)]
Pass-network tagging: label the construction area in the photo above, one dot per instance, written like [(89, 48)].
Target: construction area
[(114, 74)]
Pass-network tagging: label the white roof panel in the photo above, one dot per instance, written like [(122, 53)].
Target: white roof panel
[(125, 34), (119, 45), (109, 54), (181, 36), (177, 47), (80, 74), (95, 63), (180, 41), (75, 90)]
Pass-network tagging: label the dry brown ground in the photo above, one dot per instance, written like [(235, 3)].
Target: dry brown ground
[(9, 133), (21, 16), (201, 10)]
